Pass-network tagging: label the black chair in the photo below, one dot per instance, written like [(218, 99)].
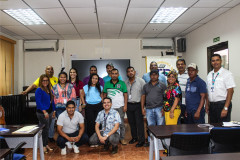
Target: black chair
[(226, 139), (13, 155), (188, 143)]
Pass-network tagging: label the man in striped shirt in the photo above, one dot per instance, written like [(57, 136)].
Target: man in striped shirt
[(182, 78)]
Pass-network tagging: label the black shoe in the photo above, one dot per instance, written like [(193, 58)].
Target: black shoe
[(114, 150), (146, 144), (140, 144), (106, 147), (132, 141), (51, 140)]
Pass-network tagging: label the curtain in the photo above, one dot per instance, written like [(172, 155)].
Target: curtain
[(6, 66)]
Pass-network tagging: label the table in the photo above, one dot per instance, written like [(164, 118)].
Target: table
[(4, 152), (219, 156), (33, 139), (165, 131)]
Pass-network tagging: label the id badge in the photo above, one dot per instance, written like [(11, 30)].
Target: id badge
[(130, 96), (64, 101)]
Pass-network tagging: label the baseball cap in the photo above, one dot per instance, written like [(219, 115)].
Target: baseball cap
[(193, 65)]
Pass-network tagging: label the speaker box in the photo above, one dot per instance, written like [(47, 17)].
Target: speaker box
[(181, 45)]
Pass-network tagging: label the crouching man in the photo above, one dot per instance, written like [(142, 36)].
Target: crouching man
[(110, 120), (70, 126)]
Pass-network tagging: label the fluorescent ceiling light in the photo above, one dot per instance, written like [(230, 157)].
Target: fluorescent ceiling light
[(167, 15), (25, 16)]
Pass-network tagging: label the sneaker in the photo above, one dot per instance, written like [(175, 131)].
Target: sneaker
[(64, 151), (123, 142), (69, 145), (75, 149)]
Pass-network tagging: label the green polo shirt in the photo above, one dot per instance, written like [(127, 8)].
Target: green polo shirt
[(115, 92)]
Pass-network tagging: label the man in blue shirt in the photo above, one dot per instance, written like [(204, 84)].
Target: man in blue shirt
[(154, 66), (195, 96), (110, 120), (109, 68)]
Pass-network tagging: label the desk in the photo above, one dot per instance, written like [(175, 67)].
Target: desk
[(33, 139), (165, 131), (4, 152), (220, 156)]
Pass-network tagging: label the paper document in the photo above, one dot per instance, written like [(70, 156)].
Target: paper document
[(230, 124), (26, 129)]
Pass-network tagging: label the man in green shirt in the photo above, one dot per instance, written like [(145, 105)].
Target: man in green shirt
[(117, 90)]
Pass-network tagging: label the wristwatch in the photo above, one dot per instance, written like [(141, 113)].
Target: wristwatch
[(225, 108)]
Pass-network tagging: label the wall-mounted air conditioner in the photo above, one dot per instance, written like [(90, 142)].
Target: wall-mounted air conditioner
[(41, 45), (157, 43)]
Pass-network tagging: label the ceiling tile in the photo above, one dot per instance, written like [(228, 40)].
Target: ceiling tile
[(20, 30), (53, 16), (163, 35), (12, 4), (42, 29), (82, 15), (194, 15), (128, 36), (179, 3), (53, 36), (214, 15), (90, 36), (64, 29), (78, 3), (147, 35), (112, 3), (110, 36), (233, 3), (145, 4), (132, 28), (155, 28), (69, 37), (190, 29), (18, 37), (5, 19), (87, 28), (211, 3), (176, 28), (139, 15), (111, 15), (32, 37), (43, 3), (108, 28)]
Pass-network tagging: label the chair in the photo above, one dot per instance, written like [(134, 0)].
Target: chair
[(188, 143), (13, 155), (226, 139)]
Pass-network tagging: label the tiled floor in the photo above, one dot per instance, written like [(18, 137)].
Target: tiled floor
[(125, 152)]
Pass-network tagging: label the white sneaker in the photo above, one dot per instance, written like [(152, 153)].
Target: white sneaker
[(75, 149), (69, 145), (64, 151)]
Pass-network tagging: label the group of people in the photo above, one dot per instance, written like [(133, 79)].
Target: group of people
[(178, 99)]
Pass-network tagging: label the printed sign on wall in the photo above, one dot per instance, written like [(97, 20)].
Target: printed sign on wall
[(165, 64)]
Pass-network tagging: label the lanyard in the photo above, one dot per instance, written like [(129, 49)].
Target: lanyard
[(213, 80), (105, 121)]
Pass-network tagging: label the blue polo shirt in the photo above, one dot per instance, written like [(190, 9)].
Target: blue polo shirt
[(193, 91)]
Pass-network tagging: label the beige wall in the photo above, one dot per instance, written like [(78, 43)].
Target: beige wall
[(35, 62), (227, 26)]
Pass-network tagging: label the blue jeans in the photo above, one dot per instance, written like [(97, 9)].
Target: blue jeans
[(61, 140), (154, 116), (77, 104), (51, 128), (59, 111), (191, 120)]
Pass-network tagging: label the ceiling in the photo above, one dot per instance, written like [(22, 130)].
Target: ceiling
[(108, 19)]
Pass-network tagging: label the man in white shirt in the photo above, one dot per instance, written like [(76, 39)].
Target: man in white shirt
[(220, 84), (182, 79), (70, 126)]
